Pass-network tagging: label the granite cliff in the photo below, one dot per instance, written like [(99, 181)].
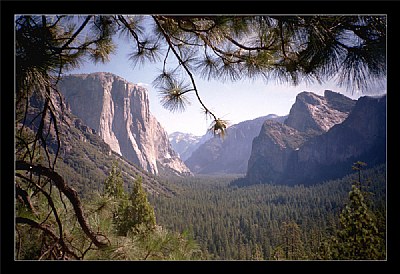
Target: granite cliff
[(321, 139), (118, 111), (84, 159), (316, 114)]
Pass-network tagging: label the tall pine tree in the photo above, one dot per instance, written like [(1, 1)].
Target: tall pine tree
[(138, 215), (358, 237), (114, 184)]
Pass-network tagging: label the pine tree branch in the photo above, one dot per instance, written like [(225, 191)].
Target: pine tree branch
[(47, 230), (76, 33), (69, 192), (167, 38)]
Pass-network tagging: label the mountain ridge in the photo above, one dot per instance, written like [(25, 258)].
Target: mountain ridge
[(317, 114), (185, 143)]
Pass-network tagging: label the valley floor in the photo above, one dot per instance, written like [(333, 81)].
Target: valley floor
[(256, 222)]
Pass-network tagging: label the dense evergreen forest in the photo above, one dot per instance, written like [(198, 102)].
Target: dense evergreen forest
[(267, 222)]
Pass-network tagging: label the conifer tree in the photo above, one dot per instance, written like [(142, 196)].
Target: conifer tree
[(258, 254), (137, 216), (292, 244), (358, 237), (114, 184)]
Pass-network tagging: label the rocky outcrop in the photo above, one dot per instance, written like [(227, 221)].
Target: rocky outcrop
[(231, 153), (317, 114), (84, 160), (119, 113), (324, 146)]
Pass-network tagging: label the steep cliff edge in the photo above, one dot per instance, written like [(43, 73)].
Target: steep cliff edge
[(271, 150), (84, 159), (320, 141), (362, 136), (119, 113)]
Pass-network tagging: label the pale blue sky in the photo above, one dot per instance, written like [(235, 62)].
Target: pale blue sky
[(232, 101)]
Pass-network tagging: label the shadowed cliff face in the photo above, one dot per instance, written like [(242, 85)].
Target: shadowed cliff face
[(321, 139), (272, 150), (119, 112)]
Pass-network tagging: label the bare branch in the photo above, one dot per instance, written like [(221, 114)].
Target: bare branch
[(25, 198)]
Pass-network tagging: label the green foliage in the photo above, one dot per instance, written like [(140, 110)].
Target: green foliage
[(28, 243), (109, 215), (358, 237), (258, 254), (135, 215), (159, 244), (291, 242), (163, 244), (114, 185), (232, 223), (130, 225)]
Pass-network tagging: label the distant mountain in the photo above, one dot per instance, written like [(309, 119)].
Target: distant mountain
[(185, 143), (119, 113), (231, 153), (320, 140)]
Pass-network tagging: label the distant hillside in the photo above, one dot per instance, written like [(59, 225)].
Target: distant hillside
[(231, 153), (185, 143)]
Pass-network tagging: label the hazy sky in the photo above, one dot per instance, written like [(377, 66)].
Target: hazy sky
[(233, 101)]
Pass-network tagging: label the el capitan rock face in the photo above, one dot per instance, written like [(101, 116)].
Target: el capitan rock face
[(321, 147), (119, 112)]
